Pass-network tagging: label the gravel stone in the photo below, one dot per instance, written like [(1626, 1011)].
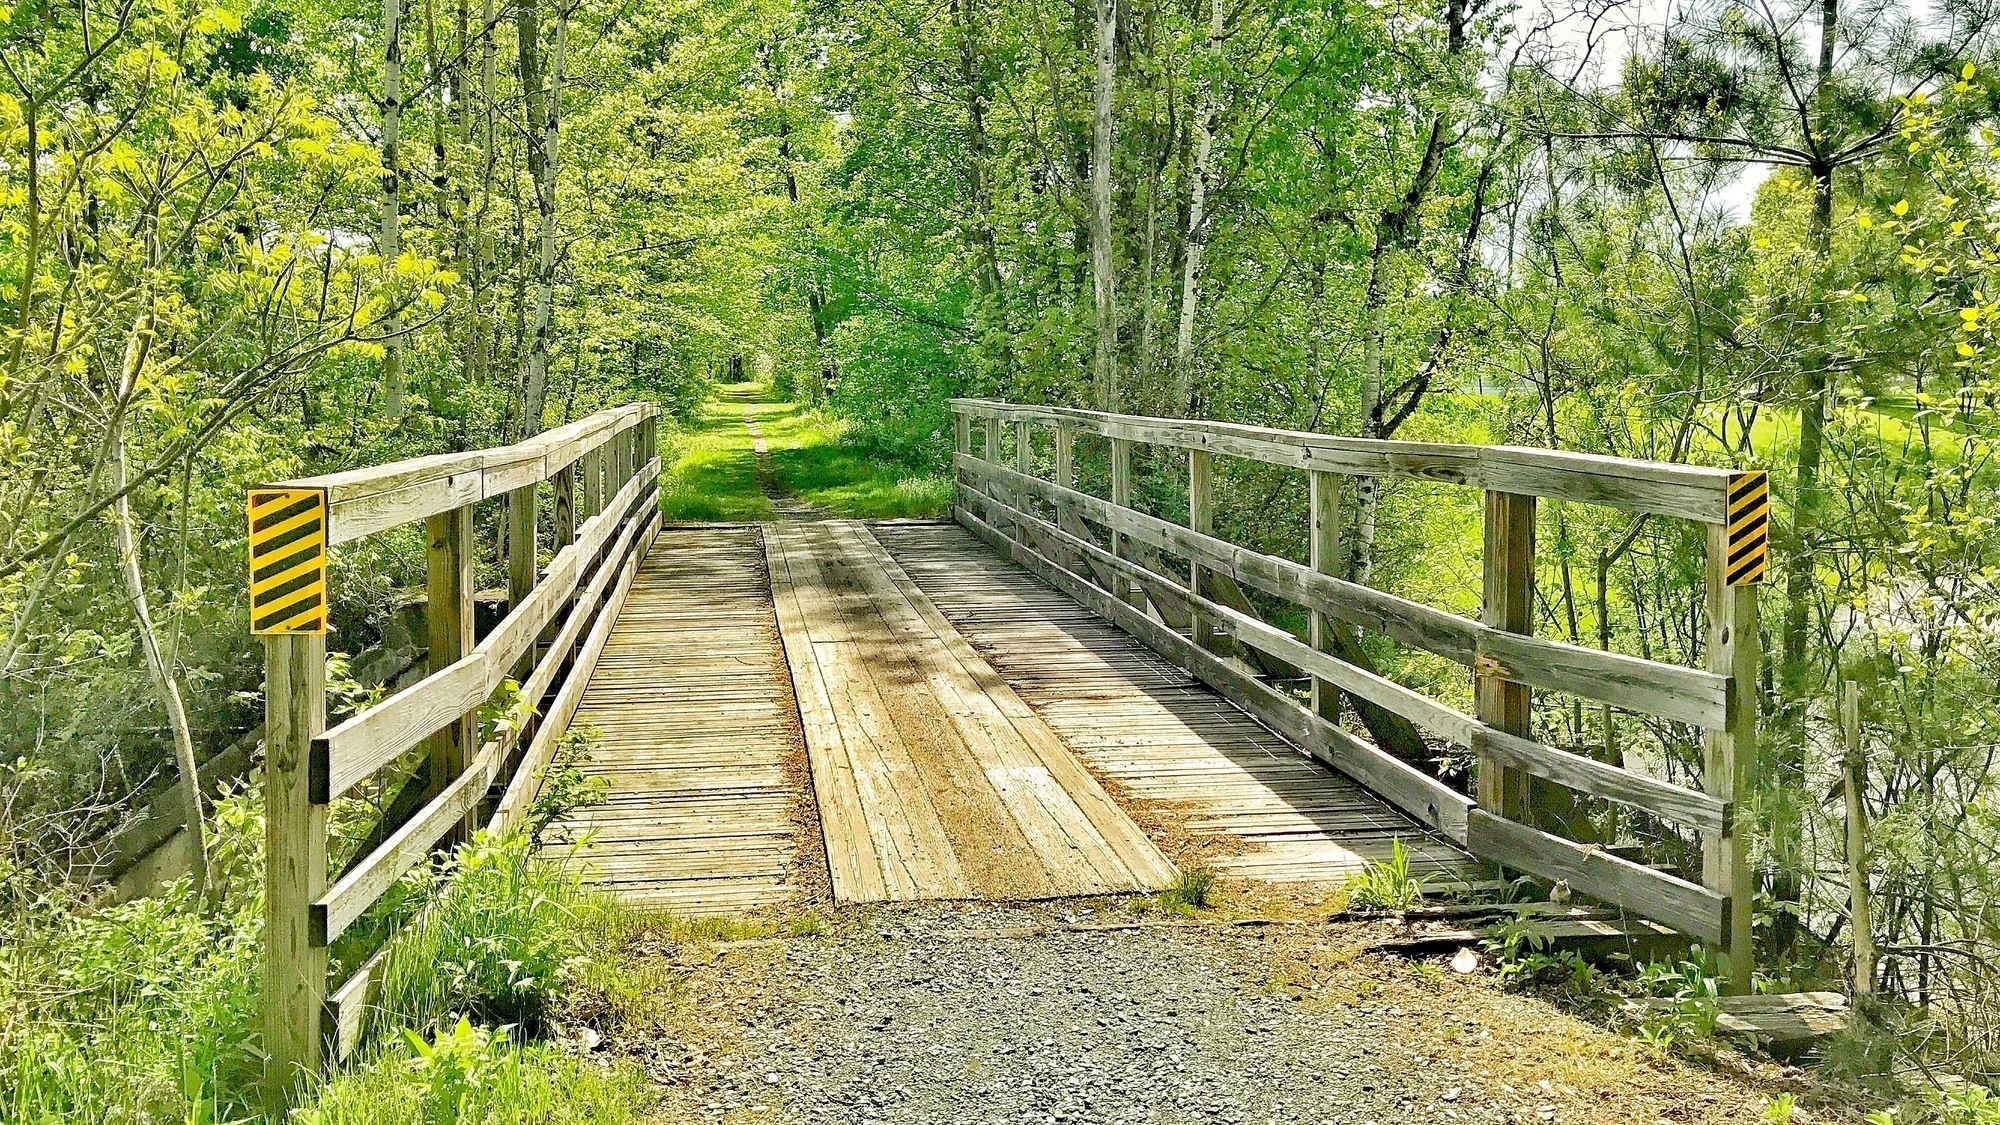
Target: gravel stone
[(984, 1013)]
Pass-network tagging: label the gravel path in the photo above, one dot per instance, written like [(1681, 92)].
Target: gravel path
[(961, 1013)]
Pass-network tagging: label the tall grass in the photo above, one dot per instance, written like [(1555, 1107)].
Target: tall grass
[(148, 1011), (144, 1011)]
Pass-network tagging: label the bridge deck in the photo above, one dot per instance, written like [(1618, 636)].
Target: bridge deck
[(1234, 796), (971, 733), (698, 736)]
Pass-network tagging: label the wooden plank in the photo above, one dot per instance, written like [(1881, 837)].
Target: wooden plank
[(962, 790), (1687, 907), (377, 735), (294, 863), (1206, 759), (1690, 695), (1670, 801), (1069, 807), (1661, 798), (364, 501), (1424, 798), (843, 823), (1683, 491), (702, 756), (1784, 1022), (527, 779), (356, 891), (1121, 499)]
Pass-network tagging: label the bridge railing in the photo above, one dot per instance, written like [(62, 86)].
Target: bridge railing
[(603, 472), (1107, 554)]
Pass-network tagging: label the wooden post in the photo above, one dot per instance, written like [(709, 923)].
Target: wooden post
[(564, 483), (994, 489), (1121, 495), (1859, 920), (448, 622), (1066, 518), (1733, 645), (649, 440), (591, 472), (1323, 502), (1509, 604), (1201, 520), (295, 864), (961, 444), (522, 565), (1024, 463)]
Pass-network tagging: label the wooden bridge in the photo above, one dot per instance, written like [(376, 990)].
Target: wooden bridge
[(1057, 694)]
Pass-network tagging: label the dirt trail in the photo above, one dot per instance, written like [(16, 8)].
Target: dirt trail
[(787, 506)]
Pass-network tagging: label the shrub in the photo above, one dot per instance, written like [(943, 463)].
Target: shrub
[(140, 1011)]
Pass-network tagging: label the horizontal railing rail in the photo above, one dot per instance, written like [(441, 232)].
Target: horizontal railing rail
[(603, 473), (1107, 554)]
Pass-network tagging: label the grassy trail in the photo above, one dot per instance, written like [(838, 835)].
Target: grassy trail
[(811, 469)]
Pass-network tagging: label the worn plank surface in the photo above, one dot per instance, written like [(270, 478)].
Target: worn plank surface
[(935, 780), (1185, 759), (699, 738)]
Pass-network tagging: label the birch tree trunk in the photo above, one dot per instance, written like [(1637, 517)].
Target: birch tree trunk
[(482, 245), (1103, 266), (544, 118), (392, 203), (136, 348), (1198, 220)]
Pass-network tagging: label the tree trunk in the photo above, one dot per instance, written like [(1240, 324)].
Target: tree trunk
[(392, 202), (482, 248), (136, 349), (992, 313), (1396, 229), (544, 116), (1103, 267), (1198, 220)]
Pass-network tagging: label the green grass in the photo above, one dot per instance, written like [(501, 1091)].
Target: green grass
[(814, 460), (712, 476)]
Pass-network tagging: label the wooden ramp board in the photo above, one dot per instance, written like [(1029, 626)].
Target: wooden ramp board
[(1251, 804), (935, 781), (698, 737)]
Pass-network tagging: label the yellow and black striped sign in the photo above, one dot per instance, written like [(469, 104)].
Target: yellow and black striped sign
[(287, 560), (1749, 528)]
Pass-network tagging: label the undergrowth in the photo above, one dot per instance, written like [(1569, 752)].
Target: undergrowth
[(148, 1011)]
